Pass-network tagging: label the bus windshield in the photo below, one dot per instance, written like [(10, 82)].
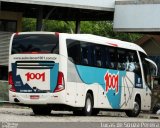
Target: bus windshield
[(38, 43), (150, 70)]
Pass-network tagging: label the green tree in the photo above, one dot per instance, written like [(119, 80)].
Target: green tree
[(102, 28), (105, 28), (58, 26), (28, 24)]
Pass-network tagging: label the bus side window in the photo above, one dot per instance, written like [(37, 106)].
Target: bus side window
[(98, 56), (73, 48), (87, 53), (112, 58), (132, 62), (84, 53), (121, 59)]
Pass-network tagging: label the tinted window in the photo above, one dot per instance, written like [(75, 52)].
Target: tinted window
[(98, 56), (86, 53), (132, 61), (35, 43), (146, 69), (121, 57), (74, 53), (112, 56), (128, 60), (80, 52), (106, 61)]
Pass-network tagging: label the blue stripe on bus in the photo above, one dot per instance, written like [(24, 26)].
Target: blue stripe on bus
[(18, 81), (91, 75), (53, 77)]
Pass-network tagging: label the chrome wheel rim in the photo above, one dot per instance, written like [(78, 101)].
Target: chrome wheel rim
[(136, 107), (88, 105)]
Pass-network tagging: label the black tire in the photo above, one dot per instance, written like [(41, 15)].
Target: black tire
[(88, 108), (136, 110), (156, 108), (39, 110)]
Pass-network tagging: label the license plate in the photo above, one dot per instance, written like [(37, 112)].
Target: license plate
[(34, 97)]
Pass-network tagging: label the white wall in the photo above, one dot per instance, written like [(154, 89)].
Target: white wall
[(137, 16), (87, 4)]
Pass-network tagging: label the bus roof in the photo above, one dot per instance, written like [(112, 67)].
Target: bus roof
[(105, 41), (95, 39)]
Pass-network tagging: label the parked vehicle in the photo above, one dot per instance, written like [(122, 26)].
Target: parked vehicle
[(79, 72)]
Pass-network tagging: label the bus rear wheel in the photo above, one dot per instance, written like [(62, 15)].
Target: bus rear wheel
[(88, 108), (41, 110), (136, 110)]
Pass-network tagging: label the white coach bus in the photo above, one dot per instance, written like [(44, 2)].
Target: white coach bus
[(79, 72)]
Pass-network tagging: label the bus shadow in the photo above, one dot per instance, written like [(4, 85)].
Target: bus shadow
[(70, 114)]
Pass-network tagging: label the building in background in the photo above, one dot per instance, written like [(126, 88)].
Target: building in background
[(127, 16), (9, 22), (12, 12)]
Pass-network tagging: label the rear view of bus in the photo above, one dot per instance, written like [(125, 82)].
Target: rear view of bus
[(34, 74)]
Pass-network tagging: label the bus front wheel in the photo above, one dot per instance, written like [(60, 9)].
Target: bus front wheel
[(136, 110)]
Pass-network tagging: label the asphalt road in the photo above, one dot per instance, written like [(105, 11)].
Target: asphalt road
[(24, 118)]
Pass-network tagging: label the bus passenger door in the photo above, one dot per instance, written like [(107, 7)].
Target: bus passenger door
[(149, 68)]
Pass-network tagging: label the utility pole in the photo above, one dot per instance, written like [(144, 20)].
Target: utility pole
[(39, 18)]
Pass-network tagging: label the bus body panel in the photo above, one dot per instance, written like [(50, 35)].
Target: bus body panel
[(112, 89), (43, 99), (33, 76), (34, 86)]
